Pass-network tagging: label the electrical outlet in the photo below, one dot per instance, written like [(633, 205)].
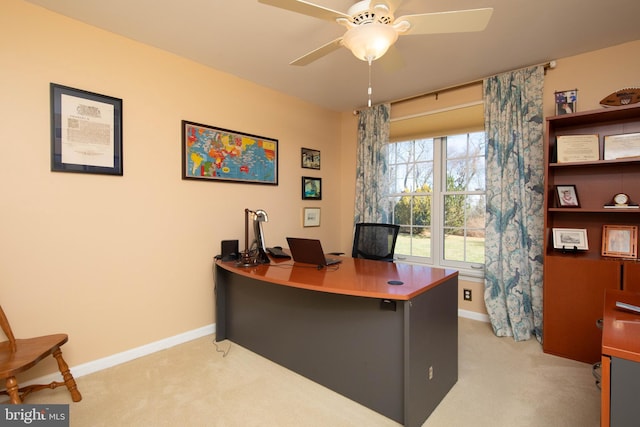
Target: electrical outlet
[(430, 372), (466, 294)]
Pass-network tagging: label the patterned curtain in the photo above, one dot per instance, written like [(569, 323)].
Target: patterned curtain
[(514, 221), (371, 165)]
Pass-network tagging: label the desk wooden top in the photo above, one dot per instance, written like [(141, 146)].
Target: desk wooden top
[(353, 276), (621, 329)]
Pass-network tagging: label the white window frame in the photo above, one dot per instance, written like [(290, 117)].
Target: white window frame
[(468, 269)]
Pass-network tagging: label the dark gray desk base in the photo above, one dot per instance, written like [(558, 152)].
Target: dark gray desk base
[(355, 346)]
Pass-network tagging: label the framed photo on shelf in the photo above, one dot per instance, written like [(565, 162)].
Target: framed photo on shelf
[(620, 241), (567, 196), (86, 131), (311, 188), (311, 217), (310, 159), (570, 238), (566, 101)]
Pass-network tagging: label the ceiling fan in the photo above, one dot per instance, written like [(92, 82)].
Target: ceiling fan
[(372, 27)]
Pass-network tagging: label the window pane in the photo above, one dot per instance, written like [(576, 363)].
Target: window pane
[(456, 146), (454, 210), (477, 180), (414, 241), (477, 144), (475, 247), (424, 150), (475, 211)]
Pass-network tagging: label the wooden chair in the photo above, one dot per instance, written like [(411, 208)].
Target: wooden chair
[(19, 355)]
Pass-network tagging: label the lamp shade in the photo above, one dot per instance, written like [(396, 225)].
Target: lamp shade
[(369, 42)]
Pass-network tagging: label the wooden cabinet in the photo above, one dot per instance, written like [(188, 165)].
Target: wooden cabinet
[(620, 362), (575, 281)]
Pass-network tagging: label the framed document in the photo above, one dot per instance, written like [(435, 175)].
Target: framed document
[(626, 146), (86, 131), (577, 148)]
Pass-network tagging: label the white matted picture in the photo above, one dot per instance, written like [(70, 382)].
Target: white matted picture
[(311, 217), (620, 241), (567, 196), (570, 238)]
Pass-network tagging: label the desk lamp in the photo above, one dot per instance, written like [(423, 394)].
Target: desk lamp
[(256, 252)]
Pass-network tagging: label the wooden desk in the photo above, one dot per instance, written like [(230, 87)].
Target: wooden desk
[(392, 348), (620, 404)]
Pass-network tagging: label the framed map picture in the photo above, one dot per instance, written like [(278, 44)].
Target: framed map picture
[(217, 154)]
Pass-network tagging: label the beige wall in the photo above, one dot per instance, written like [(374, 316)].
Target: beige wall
[(119, 262)]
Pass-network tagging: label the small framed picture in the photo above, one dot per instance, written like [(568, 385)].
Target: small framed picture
[(311, 217), (310, 159), (311, 188), (566, 101), (620, 241), (570, 238), (567, 196)]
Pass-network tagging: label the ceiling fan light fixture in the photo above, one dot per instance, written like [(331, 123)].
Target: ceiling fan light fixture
[(369, 42)]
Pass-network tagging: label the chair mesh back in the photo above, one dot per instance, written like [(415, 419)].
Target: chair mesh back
[(375, 241)]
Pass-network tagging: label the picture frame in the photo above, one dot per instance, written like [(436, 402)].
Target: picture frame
[(311, 188), (570, 238), (566, 101), (311, 217), (212, 153), (310, 159), (86, 131), (620, 241), (567, 196), (577, 148), (623, 146)]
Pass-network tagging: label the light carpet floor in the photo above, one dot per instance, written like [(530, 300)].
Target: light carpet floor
[(500, 383)]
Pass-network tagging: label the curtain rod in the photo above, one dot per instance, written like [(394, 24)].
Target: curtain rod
[(547, 65)]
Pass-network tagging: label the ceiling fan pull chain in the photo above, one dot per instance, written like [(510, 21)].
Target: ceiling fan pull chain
[(369, 89)]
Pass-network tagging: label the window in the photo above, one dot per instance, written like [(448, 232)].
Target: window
[(437, 196)]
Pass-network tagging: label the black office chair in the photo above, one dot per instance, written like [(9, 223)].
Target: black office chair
[(375, 241)]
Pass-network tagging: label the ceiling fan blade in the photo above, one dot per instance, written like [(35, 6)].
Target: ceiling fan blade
[(307, 8), (318, 53), (392, 5), (458, 21), (391, 61)]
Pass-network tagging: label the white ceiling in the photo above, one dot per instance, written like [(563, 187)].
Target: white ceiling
[(256, 42)]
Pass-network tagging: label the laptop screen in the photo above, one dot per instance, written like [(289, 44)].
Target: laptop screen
[(308, 251)]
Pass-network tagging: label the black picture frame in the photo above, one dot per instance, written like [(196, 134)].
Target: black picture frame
[(86, 131), (222, 155), (567, 196), (309, 158), (311, 188)]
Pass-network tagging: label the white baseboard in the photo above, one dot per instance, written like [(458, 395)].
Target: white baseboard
[(473, 315), (126, 356), (135, 353)]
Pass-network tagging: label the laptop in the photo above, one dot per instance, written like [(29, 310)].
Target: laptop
[(309, 251)]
